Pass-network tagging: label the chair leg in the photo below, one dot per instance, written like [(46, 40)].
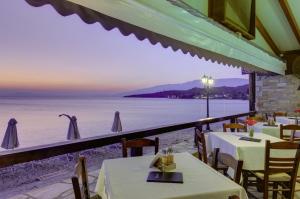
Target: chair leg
[(286, 194), (259, 186), (245, 180), (274, 194), (265, 188)]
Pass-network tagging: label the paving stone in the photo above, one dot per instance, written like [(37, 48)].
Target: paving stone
[(19, 197), (51, 191)]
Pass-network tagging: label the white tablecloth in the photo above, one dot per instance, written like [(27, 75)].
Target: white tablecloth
[(125, 178), (271, 130), (252, 153), (285, 120), (259, 126)]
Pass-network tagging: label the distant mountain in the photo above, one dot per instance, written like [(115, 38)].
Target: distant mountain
[(229, 82), (51, 93), (223, 92)]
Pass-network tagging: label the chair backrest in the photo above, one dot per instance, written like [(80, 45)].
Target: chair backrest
[(258, 118), (282, 114), (281, 164), (81, 190), (235, 127), (292, 128), (136, 146), (230, 162), (201, 146)]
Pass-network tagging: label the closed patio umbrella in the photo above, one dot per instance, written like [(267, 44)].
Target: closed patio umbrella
[(117, 125), (73, 132), (10, 140)]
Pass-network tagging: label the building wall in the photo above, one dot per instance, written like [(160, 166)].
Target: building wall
[(277, 93)]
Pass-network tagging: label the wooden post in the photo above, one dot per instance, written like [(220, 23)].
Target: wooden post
[(252, 91)]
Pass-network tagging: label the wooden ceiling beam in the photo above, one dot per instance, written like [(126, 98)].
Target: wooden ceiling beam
[(267, 36), (292, 52), (290, 17)]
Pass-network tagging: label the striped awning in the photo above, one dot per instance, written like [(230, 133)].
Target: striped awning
[(172, 25)]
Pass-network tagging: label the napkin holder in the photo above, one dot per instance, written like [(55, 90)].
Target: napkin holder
[(164, 163), (271, 122)]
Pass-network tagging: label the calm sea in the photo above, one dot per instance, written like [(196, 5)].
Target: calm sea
[(38, 121)]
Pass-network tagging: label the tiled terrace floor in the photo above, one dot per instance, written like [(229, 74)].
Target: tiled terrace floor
[(60, 190), (63, 189)]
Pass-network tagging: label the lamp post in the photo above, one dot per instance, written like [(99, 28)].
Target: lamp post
[(207, 82)]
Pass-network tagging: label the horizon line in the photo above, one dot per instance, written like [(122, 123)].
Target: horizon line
[(93, 88)]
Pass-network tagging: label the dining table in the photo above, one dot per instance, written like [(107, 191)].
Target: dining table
[(252, 153), (263, 127), (126, 178), (287, 119), (272, 130)]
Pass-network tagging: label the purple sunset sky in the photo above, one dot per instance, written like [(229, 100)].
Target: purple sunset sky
[(40, 49)]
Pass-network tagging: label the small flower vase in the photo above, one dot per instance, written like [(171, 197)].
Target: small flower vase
[(251, 132)]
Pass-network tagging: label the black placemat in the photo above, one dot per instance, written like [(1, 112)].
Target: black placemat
[(165, 177), (250, 139), (275, 125)]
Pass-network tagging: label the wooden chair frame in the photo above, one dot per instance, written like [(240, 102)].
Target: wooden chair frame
[(293, 128), (275, 114), (201, 146), (274, 165), (234, 126), (136, 146), (202, 152), (258, 117), (81, 173), (230, 162)]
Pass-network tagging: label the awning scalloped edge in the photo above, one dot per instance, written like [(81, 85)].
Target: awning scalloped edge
[(89, 16)]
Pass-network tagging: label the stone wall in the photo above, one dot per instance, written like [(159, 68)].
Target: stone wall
[(277, 93)]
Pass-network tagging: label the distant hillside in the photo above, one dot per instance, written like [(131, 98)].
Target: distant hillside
[(224, 92), (229, 82)]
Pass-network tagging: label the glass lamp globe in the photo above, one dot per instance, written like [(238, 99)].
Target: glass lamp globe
[(204, 79), (210, 81)]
